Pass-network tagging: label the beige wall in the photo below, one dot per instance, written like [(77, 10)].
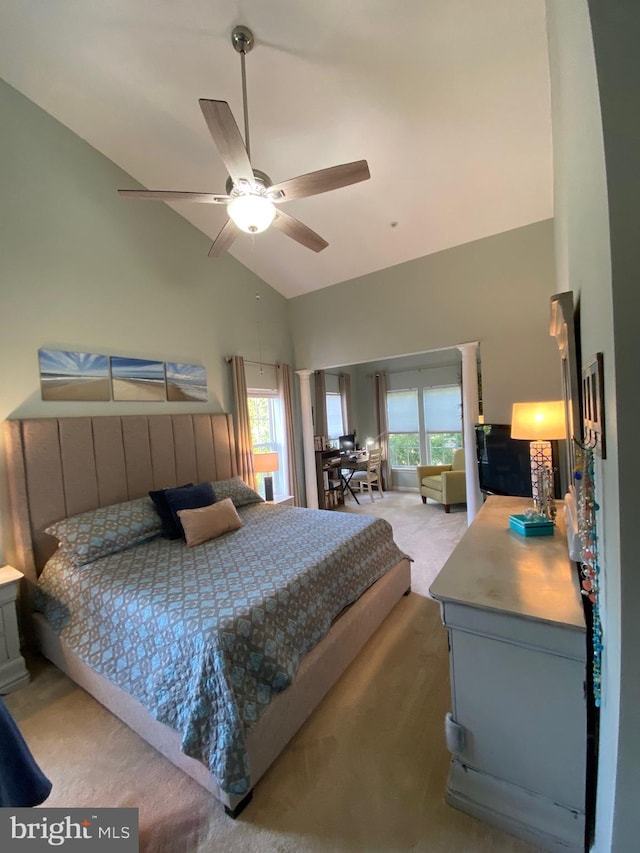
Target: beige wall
[(495, 291), (85, 270)]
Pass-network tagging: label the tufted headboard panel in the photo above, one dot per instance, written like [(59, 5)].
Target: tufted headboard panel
[(59, 467)]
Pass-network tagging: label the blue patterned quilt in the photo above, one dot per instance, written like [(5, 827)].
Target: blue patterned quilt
[(204, 637)]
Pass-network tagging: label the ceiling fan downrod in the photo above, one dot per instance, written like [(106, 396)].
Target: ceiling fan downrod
[(242, 41)]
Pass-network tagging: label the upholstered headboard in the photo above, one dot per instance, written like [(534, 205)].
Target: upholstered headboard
[(59, 467)]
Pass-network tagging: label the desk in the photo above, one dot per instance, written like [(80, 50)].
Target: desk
[(351, 466), (329, 462)]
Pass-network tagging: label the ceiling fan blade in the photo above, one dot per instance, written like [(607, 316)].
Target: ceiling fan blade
[(226, 136), (171, 195), (322, 181), (225, 238), (297, 231)]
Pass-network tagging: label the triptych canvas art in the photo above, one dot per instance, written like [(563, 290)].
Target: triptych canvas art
[(85, 376)]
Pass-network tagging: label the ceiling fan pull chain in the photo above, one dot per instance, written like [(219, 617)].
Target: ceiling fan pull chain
[(259, 333)]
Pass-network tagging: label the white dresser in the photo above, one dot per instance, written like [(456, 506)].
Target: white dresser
[(517, 729)]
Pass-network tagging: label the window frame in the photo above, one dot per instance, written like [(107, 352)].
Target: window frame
[(424, 443), (277, 438), (333, 439), (428, 455), (416, 433)]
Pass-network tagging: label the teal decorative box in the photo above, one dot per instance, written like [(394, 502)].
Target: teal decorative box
[(531, 526)]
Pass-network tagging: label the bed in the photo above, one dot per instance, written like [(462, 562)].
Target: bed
[(338, 574)]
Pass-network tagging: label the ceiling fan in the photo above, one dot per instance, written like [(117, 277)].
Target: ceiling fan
[(252, 200)]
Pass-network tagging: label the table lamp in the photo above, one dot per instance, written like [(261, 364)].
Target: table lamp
[(539, 423), (266, 463)]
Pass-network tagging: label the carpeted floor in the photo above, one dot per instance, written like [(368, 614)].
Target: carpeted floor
[(367, 772), (425, 532)]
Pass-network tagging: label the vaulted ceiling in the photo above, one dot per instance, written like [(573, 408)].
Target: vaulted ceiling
[(447, 100)]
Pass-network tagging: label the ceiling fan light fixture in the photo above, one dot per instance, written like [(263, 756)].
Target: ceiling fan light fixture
[(251, 212), (250, 195)]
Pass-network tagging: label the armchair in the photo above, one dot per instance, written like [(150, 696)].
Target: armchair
[(444, 483)]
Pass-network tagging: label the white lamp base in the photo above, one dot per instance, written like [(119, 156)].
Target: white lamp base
[(541, 463)]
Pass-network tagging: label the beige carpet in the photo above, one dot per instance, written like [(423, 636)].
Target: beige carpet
[(425, 532), (367, 772)]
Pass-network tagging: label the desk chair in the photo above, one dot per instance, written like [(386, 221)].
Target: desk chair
[(366, 480)]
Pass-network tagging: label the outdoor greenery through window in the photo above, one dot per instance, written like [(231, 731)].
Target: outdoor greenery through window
[(442, 423), (404, 450), (442, 445), (404, 433), (267, 433)]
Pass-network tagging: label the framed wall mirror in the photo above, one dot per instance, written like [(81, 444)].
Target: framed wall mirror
[(563, 329)]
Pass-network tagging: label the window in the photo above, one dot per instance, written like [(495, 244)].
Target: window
[(437, 425), (442, 423), (267, 433), (404, 431)]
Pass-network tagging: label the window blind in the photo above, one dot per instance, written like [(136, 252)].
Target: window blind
[(402, 410), (443, 409)]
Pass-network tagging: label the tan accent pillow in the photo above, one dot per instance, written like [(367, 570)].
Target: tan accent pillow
[(208, 522)]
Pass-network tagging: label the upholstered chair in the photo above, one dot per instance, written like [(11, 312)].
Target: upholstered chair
[(444, 483)]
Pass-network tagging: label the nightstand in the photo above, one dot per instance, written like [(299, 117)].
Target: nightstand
[(283, 500), (13, 671)]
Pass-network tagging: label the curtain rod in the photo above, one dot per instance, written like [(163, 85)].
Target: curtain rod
[(413, 369), (228, 359)]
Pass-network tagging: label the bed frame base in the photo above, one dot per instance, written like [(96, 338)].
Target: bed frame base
[(60, 467), (234, 813)]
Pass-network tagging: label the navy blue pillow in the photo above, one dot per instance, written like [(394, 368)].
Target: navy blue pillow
[(188, 497), (159, 498)]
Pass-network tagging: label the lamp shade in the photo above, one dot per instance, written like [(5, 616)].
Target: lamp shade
[(538, 421), (252, 213), (265, 463)]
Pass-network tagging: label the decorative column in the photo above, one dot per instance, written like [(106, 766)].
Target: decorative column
[(307, 439), (470, 411)]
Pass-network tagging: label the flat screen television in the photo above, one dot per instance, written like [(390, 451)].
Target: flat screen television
[(504, 467)]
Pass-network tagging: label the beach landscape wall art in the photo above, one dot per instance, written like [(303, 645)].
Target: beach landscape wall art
[(138, 379), (186, 382), (79, 376), (84, 376)]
